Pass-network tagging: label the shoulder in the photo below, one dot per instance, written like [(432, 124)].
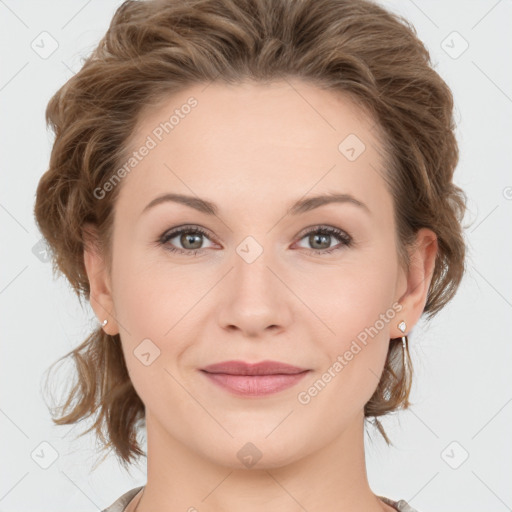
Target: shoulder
[(400, 505), (120, 504)]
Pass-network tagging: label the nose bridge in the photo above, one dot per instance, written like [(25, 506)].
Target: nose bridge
[(252, 259)]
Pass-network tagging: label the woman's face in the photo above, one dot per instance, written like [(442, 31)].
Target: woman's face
[(257, 285)]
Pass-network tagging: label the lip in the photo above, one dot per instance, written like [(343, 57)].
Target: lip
[(259, 379), (261, 368)]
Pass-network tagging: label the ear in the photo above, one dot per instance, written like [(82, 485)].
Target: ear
[(422, 264), (99, 280)]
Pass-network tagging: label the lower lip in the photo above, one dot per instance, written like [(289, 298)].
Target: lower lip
[(255, 385)]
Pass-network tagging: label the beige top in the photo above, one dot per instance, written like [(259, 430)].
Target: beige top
[(120, 504)]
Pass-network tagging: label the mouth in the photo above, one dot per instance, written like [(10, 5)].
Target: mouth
[(260, 379)]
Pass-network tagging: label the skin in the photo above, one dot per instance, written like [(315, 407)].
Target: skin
[(253, 150)]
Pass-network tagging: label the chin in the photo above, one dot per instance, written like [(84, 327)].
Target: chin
[(253, 452)]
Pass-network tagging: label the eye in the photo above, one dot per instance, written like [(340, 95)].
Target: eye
[(190, 237), (320, 237)]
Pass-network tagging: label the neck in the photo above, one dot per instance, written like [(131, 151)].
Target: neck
[(332, 479)]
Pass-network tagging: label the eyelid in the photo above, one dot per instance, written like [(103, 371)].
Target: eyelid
[(320, 227)]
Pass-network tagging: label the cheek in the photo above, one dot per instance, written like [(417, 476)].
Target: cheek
[(353, 296), (360, 312), (142, 293), (141, 307), (147, 309), (155, 301)]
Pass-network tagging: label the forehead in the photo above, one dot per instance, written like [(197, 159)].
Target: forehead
[(262, 142)]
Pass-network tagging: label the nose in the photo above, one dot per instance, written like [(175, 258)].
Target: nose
[(254, 297)]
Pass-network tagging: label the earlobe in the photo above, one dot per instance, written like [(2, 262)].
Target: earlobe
[(422, 264), (99, 282)]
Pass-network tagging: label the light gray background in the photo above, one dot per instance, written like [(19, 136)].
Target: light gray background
[(462, 391)]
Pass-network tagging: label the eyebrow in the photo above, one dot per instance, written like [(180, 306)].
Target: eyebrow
[(297, 208)]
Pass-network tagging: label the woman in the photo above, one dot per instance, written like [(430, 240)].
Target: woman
[(256, 198)]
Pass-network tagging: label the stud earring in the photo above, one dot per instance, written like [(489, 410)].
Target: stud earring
[(402, 326), (104, 322)]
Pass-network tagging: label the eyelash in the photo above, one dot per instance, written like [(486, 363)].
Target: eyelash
[(344, 238)]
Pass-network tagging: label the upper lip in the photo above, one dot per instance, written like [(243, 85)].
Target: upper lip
[(261, 368)]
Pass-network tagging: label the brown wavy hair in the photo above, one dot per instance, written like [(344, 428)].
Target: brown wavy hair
[(157, 47)]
